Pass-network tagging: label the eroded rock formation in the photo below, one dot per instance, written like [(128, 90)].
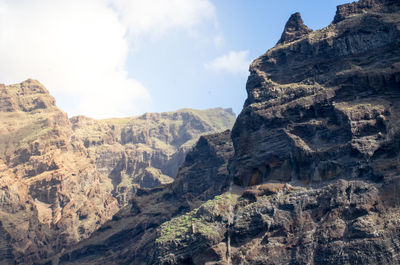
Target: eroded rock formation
[(146, 151), (130, 237), (50, 191), (324, 105)]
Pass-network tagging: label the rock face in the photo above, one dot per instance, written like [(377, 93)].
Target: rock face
[(61, 179), (294, 29), (50, 192), (346, 222), (325, 105), (146, 151), (130, 237), (316, 153)]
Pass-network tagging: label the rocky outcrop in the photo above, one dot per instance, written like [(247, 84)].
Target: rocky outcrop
[(204, 173), (146, 151), (359, 7), (50, 192), (130, 237), (61, 179), (345, 222), (324, 106), (294, 29)]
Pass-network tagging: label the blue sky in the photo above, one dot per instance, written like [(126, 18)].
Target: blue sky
[(107, 58)]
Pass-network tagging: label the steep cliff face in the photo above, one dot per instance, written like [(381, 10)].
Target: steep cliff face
[(146, 151), (51, 194), (131, 235), (324, 105), (317, 147), (61, 179), (346, 222)]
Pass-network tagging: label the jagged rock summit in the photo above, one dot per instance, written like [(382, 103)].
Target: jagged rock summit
[(323, 106), (294, 29), (360, 7)]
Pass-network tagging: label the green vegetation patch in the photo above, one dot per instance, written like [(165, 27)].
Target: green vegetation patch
[(193, 222)]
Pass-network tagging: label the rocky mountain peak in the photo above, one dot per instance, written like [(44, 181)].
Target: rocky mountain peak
[(27, 96), (294, 29), (365, 6), (312, 98)]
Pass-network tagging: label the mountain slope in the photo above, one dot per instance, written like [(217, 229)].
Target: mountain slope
[(61, 179), (130, 237), (51, 193), (146, 151)]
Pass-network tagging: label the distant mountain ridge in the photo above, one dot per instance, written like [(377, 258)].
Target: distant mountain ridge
[(147, 150)]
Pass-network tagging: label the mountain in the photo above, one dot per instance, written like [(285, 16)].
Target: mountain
[(316, 151), (61, 179), (314, 171), (130, 237), (146, 151)]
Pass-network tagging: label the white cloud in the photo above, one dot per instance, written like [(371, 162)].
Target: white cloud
[(78, 49), (234, 62), (154, 18)]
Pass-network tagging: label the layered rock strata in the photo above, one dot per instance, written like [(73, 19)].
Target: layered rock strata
[(130, 237), (146, 151), (324, 105), (50, 192)]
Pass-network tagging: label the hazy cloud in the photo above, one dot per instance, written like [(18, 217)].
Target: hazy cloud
[(234, 62), (154, 18), (78, 49)]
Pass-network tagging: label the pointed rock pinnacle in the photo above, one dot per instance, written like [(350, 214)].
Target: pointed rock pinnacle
[(294, 29)]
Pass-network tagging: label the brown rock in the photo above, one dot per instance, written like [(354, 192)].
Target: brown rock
[(45, 180), (146, 150), (60, 180), (294, 29), (130, 237)]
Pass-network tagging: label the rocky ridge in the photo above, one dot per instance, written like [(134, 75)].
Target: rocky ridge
[(146, 151), (61, 179), (324, 105), (131, 235), (51, 193)]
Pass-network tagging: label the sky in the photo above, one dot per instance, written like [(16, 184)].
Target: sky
[(118, 58)]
